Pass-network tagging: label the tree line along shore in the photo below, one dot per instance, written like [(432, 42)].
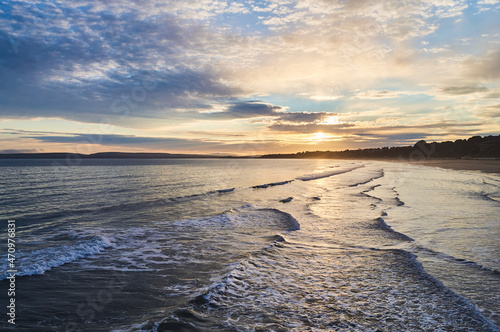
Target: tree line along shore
[(476, 147)]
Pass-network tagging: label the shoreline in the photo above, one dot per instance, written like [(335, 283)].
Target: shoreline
[(484, 166)]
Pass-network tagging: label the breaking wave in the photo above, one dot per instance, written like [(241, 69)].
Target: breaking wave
[(42, 260)]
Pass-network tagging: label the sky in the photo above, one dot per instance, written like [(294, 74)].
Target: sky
[(246, 77)]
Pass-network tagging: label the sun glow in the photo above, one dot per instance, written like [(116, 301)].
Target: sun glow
[(320, 137), (333, 119)]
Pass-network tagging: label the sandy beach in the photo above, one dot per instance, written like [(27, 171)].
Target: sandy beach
[(486, 166)]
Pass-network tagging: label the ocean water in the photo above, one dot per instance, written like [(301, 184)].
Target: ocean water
[(250, 245)]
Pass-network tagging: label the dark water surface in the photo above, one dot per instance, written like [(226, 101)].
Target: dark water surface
[(217, 244)]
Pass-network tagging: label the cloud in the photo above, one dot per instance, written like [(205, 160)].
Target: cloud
[(382, 135), (20, 151), (484, 68), (174, 144), (256, 109), (493, 95), (88, 64), (310, 128), (217, 134), (351, 128), (489, 112), (114, 142), (410, 138), (463, 89), (150, 64), (326, 97), (251, 109), (488, 2), (236, 110), (302, 117), (263, 9), (381, 94)]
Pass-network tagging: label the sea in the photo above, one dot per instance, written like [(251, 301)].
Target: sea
[(248, 245)]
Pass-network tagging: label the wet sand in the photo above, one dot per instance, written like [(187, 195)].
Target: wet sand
[(486, 166)]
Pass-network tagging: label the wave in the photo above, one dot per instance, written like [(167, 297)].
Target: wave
[(246, 217), (457, 260), (42, 260), (122, 207), (221, 191), (365, 194), (399, 202), (381, 224), (192, 316), (201, 195), (134, 206), (490, 197), (461, 301), (372, 188), (149, 248), (263, 186), (378, 176), (268, 292), (310, 177)]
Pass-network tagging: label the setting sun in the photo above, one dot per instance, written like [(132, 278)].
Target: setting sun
[(320, 137)]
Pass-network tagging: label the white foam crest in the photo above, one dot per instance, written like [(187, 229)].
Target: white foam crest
[(42, 260), (243, 217), (346, 291), (367, 177), (158, 246), (321, 175), (151, 248)]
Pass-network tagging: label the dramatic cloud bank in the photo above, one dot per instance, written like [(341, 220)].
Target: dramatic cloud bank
[(220, 76)]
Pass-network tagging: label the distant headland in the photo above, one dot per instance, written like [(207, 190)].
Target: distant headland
[(102, 155)]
